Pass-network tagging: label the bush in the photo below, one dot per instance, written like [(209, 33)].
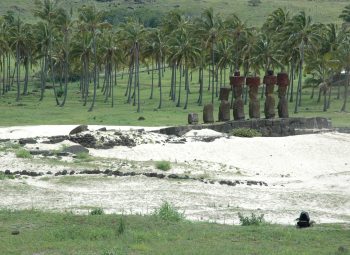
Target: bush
[(163, 165), (245, 132), (121, 226), (23, 153), (4, 176), (84, 156), (168, 212), (252, 220), (97, 211)]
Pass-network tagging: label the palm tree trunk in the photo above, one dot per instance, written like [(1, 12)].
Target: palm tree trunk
[(159, 82), (138, 77), (343, 109), (213, 66), (179, 96), (152, 85), (17, 73), (187, 84), (95, 74)]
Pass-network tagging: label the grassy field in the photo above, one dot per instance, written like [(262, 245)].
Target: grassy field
[(65, 233), (29, 111), (321, 10)]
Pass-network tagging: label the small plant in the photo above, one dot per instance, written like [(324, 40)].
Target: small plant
[(168, 212), (253, 220), (97, 211), (245, 132), (85, 156), (4, 176), (23, 153), (163, 165), (121, 226)]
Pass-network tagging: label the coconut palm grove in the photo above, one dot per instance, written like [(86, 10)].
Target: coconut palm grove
[(181, 54)]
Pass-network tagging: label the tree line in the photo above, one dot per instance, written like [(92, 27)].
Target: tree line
[(85, 46)]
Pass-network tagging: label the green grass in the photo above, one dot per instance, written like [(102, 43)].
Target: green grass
[(168, 212), (4, 176), (163, 165), (29, 111), (23, 153), (63, 234), (321, 10), (245, 132)]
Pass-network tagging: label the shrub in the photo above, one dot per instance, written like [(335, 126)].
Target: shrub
[(84, 156), (168, 212), (245, 132), (97, 211), (163, 165), (4, 176), (121, 226), (252, 220), (23, 153)]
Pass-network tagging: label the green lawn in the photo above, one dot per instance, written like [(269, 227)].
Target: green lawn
[(65, 233), (29, 111)]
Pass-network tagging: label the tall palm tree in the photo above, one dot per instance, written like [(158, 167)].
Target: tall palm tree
[(301, 34), (91, 18), (185, 51), (133, 34)]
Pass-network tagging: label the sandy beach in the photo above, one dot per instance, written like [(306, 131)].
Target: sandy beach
[(306, 172)]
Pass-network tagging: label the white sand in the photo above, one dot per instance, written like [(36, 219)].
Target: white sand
[(309, 172)]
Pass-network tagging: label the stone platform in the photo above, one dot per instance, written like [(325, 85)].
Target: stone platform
[(268, 127)]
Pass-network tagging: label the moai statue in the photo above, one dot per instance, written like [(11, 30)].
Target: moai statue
[(224, 110), (192, 118), (283, 83), (270, 82), (224, 94), (208, 113), (237, 83), (254, 105)]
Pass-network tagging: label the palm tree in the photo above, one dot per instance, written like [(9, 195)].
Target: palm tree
[(210, 28), (185, 51), (301, 34), (91, 18), (133, 34), (156, 47)]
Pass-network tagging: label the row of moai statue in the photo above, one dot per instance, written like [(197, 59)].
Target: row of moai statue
[(237, 104)]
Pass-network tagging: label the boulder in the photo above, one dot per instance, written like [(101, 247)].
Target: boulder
[(224, 94), (79, 129), (75, 149), (25, 141)]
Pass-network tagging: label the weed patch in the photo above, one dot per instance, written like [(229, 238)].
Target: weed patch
[(168, 212), (163, 165)]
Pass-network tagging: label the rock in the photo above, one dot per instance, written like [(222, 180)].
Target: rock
[(86, 140), (192, 118), (141, 118), (7, 172), (208, 113), (45, 153), (103, 129), (25, 141), (224, 111), (56, 139), (75, 149), (78, 129)]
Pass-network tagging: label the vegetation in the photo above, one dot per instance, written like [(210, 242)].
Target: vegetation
[(168, 212), (66, 233), (163, 165), (252, 220), (245, 132), (97, 211), (84, 156), (4, 176), (23, 153), (189, 58)]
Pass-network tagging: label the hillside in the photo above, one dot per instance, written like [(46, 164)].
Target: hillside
[(321, 10)]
